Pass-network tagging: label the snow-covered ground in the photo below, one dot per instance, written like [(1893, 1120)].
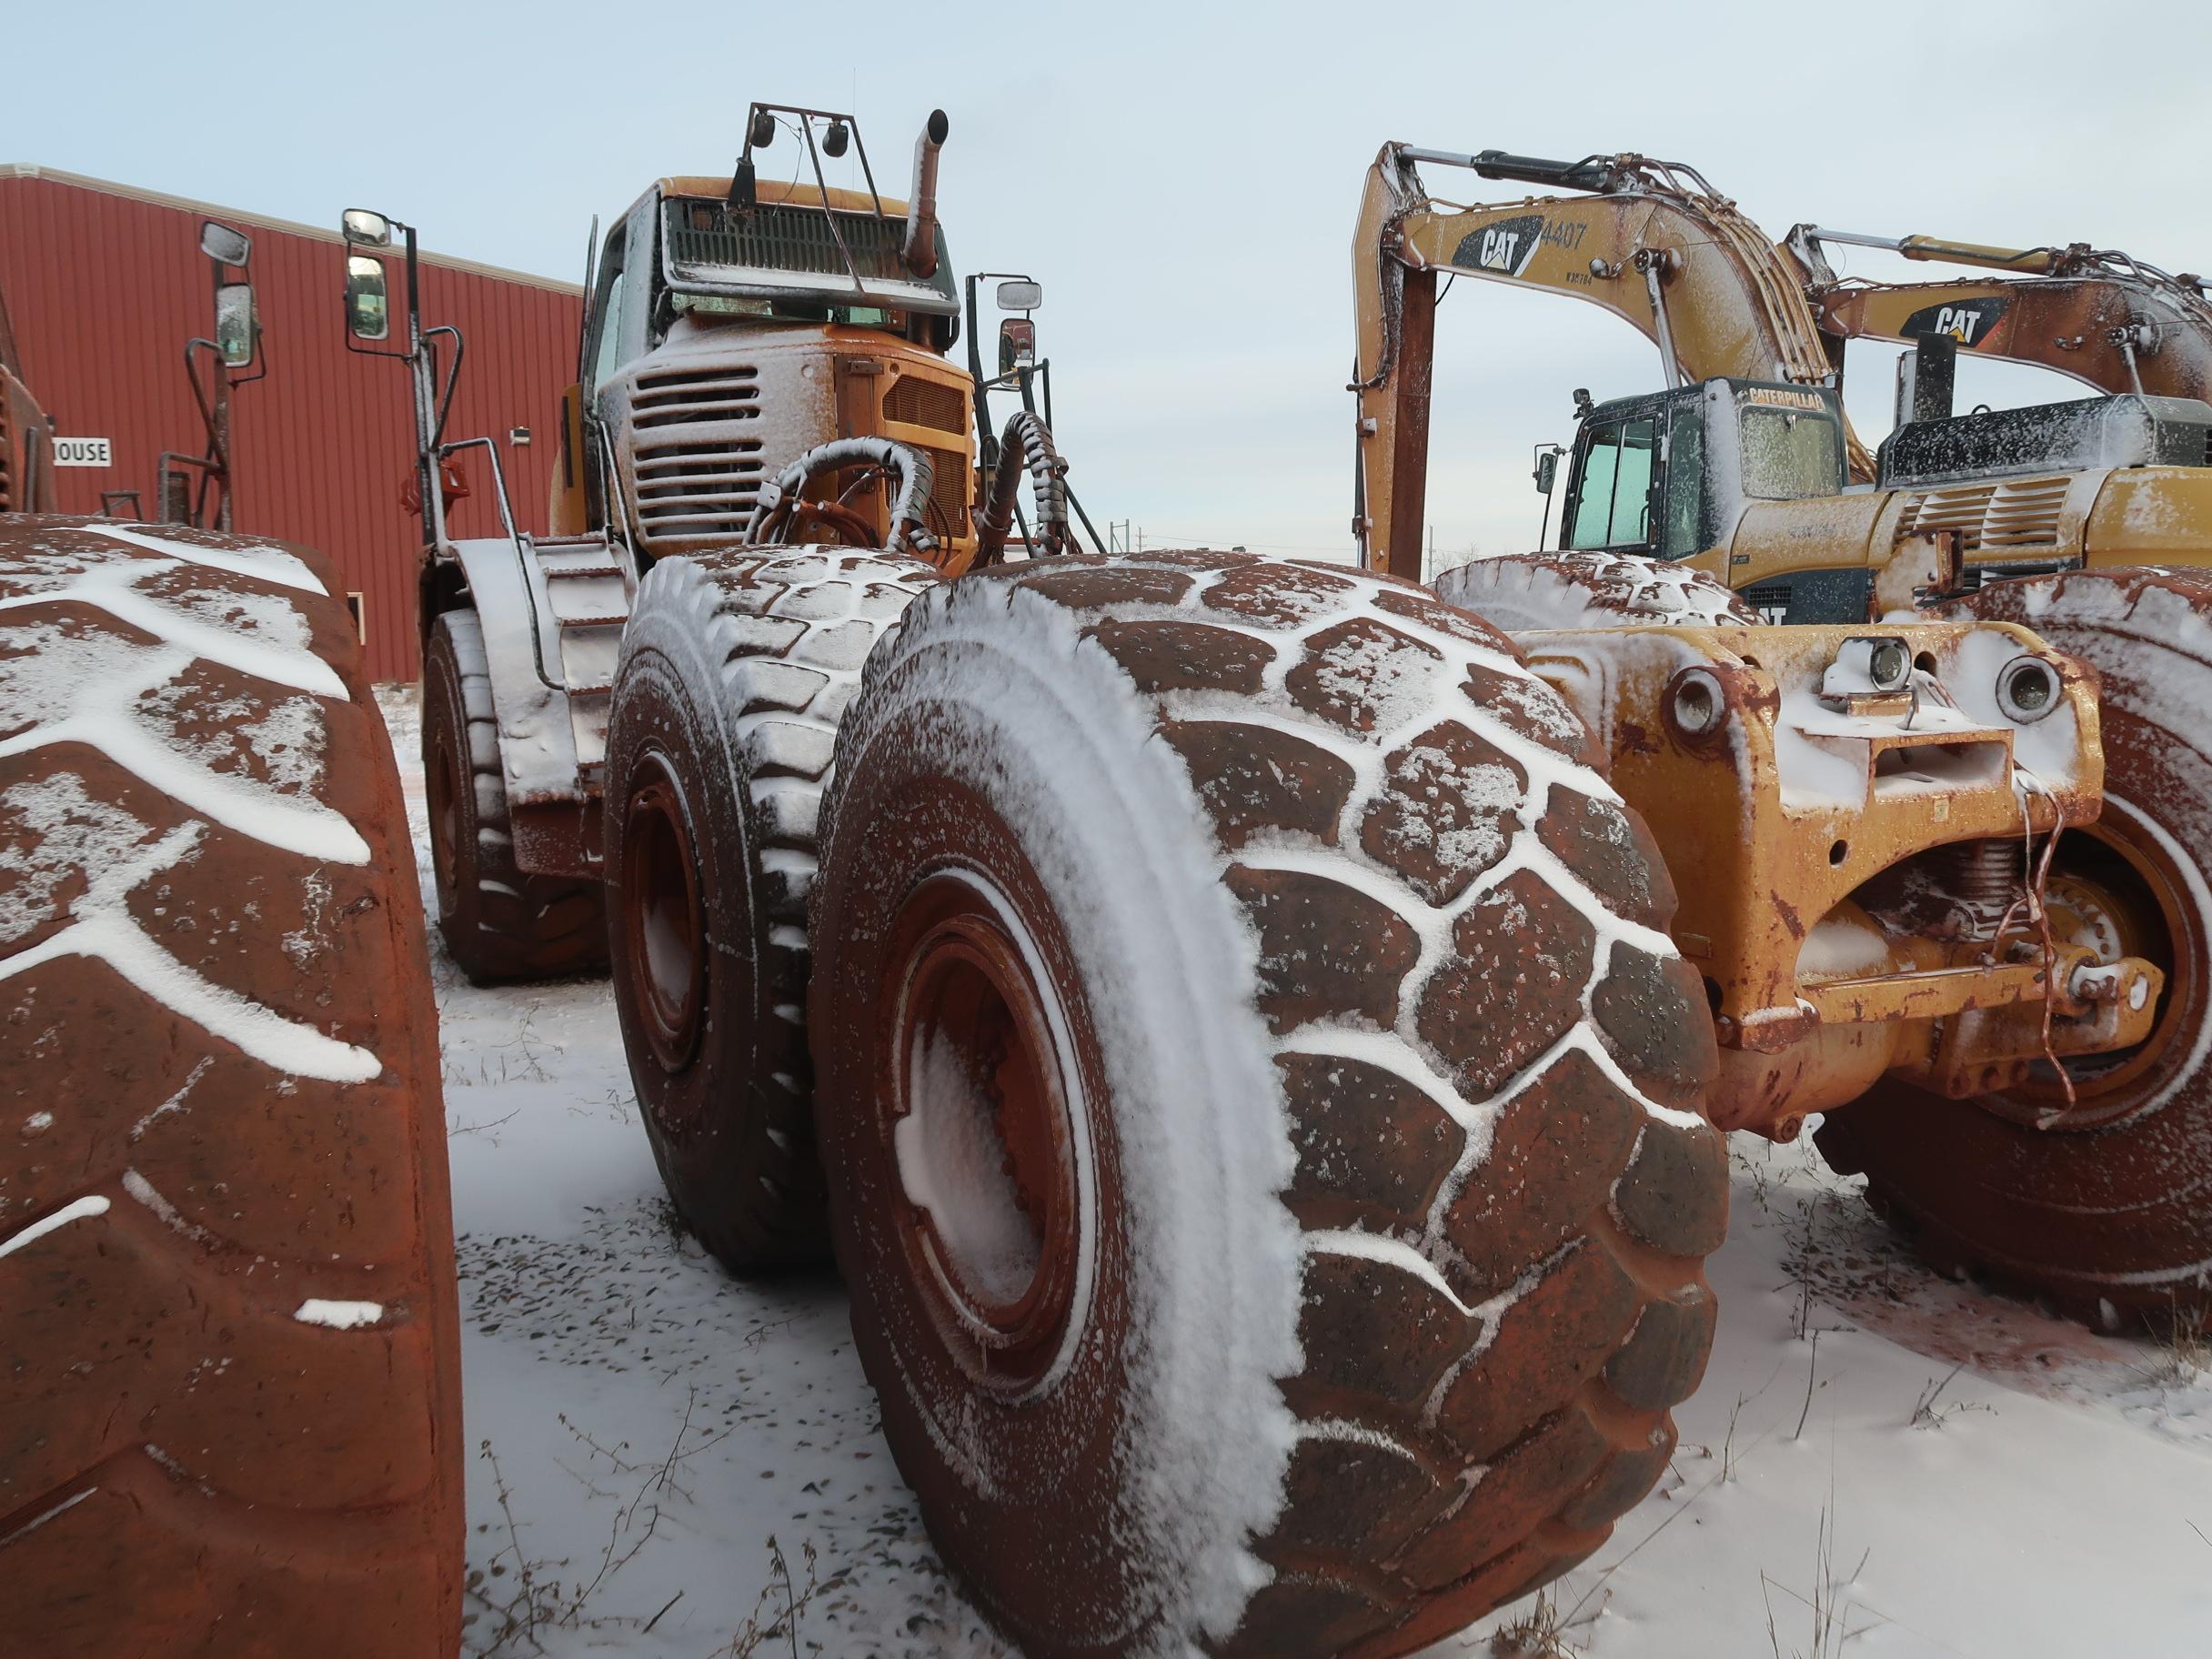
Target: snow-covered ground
[(667, 1462)]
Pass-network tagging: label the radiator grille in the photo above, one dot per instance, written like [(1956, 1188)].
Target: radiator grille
[(926, 403), (698, 468), (785, 238), (948, 492), (2007, 513)]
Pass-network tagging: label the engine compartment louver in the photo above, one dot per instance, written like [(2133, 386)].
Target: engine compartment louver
[(1992, 516), (696, 466)]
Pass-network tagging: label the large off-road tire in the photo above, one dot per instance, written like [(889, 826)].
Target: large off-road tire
[(230, 1408), (499, 924), (1259, 1098), (1523, 591), (734, 674), (2108, 1212)]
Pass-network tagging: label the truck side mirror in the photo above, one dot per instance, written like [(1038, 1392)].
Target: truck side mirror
[(1017, 344), (363, 228), (1020, 295), (368, 310), (223, 244), (237, 327), (1547, 471)]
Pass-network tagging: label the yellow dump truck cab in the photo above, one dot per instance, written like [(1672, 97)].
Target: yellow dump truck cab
[(721, 341), (1746, 480)]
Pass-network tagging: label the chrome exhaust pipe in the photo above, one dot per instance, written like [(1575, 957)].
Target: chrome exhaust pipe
[(919, 253)]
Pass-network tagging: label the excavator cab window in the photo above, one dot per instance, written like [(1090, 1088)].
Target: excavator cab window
[(1612, 498), (1789, 454), (1684, 532)]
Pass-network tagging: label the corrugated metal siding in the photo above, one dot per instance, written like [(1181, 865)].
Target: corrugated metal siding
[(105, 289)]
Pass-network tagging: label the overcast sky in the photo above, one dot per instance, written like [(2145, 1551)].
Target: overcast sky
[(1182, 178)]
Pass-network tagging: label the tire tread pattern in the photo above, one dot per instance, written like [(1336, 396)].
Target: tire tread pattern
[(1478, 1402), (787, 633), (192, 1456), (509, 925)]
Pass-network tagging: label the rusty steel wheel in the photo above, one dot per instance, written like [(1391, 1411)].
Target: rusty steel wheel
[(499, 924), (1522, 591), (1258, 1097), (229, 1348), (2106, 1211), (732, 678)]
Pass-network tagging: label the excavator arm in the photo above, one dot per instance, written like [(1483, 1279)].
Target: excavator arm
[(1649, 241), (2100, 317)]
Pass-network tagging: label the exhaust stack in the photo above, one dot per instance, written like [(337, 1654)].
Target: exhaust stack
[(919, 254)]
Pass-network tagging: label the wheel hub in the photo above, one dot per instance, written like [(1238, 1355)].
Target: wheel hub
[(2117, 888), (664, 919), (984, 1138)]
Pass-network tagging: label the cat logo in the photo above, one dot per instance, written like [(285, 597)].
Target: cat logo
[(1498, 247), (1774, 616), (1503, 249), (1786, 398), (1968, 321)]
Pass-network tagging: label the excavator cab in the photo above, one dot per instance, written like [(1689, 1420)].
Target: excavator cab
[(1666, 475)]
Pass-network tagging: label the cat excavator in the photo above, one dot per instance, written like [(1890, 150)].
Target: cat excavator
[(1699, 516), (2100, 316)]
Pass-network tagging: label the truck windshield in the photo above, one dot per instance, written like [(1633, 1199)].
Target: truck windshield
[(1790, 453)]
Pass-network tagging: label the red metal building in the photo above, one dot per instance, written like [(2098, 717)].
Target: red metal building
[(105, 283)]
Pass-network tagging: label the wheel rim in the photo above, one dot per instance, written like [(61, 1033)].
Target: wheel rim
[(665, 923), (444, 785), (2153, 918), (981, 1133)]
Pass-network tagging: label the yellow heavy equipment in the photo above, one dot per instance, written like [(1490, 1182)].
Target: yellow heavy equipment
[(2100, 316), (761, 361), (1123, 965), (1882, 908)]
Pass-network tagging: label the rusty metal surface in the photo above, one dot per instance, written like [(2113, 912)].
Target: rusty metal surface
[(2093, 1195), (1804, 827)]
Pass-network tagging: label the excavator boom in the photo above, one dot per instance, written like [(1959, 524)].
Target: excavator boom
[(2100, 317), (1650, 241)]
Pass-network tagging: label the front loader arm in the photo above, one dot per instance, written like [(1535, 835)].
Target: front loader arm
[(1679, 263)]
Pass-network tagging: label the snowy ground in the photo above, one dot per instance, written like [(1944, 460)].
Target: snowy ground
[(666, 1462)]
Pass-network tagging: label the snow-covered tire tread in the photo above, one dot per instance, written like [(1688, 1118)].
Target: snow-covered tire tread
[(228, 1312), (1504, 1186)]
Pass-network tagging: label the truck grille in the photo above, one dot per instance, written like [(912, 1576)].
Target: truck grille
[(2004, 513), (948, 492), (696, 466), (917, 402)]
